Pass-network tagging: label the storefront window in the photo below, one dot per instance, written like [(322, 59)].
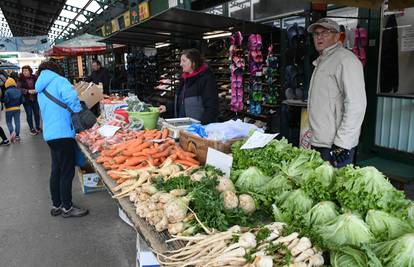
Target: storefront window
[(397, 53)]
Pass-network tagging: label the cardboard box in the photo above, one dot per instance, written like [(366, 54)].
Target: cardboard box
[(91, 94), (199, 146), (90, 181), (145, 257)]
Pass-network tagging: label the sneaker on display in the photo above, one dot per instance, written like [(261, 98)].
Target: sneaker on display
[(74, 212), (5, 142)]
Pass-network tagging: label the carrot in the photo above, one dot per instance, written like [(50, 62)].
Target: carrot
[(113, 175), (158, 135), (174, 156), (150, 151), (106, 152), (120, 181), (137, 154), (192, 160), (102, 159), (186, 163), (143, 146), (162, 159), (164, 153), (120, 159), (164, 133), (107, 165), (135, 160)]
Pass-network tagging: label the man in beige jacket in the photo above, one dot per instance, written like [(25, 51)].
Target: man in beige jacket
[(337, 99)]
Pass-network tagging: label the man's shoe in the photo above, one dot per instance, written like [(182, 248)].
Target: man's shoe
[(33, 132), (5, 143), (55, 211), (74, 212), (18, 138)]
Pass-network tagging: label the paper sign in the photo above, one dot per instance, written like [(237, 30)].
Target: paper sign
[(407, 39), (258, 140), (219, 160), (108, 130)]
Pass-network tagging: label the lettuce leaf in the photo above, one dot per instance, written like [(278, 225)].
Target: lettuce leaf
[(396, 252), (346, 229), (347, 256), (362, 189), (320, 214), (251, 179), (318, 184), (386, 226)]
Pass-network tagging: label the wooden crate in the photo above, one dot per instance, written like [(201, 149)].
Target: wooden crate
[(199, 146)]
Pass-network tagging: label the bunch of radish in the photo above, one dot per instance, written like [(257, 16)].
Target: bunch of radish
[(245, 248)]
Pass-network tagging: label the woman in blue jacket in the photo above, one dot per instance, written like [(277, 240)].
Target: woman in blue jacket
[(59, 134)]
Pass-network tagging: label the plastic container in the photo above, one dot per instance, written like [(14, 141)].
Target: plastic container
[(149, 118)]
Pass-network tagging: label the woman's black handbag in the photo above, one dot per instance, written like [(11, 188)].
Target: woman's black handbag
[(82, 120)]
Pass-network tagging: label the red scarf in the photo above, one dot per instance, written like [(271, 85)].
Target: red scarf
[(201, 69)]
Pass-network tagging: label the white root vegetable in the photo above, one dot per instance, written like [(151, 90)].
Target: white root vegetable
[(178, 192), (293, 244), (160, 206), (225, 184), (175, 228), (247, 240), (298, 264), (176, 209), (197, 176), (303, 244), (247, 204), (143, 196), (124, 184), (304, 255), (155, 197), (316, 260), (162, 225), (231, 201), (132, 196), (263, 261), (165, 198), (286, 239), (150, 189)]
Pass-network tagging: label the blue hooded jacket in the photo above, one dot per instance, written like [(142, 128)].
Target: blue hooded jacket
[(12, 97), (57, 123)]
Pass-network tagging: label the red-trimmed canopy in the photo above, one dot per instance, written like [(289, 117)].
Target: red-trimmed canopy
[(85, 44)]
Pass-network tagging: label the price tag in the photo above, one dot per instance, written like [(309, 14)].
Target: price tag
[(219, 160), (258, 140), (108, 130)]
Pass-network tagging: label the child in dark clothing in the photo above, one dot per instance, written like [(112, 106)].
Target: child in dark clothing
[(12, 100)]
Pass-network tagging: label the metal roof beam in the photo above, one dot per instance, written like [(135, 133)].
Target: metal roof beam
[(77, 10)]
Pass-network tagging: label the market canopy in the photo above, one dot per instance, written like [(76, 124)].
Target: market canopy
[(5, 65), (175, 25), (392, 4), (85, 44)]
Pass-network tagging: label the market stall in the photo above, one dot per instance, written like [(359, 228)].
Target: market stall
[(271, 204), (78, 52)]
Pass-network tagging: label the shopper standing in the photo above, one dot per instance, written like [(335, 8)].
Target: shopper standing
[(4, 140), (98, 75), (59, 134), (26, 84), (12, 100), (337, 99), (197, 95)]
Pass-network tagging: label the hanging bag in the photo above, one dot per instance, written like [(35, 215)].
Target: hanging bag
[(82, 120)]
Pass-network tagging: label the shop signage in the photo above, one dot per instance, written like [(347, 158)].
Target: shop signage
[(143, 11)]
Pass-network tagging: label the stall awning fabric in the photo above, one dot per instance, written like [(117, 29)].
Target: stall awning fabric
[(392, 4), (5, 65), (85, 44)]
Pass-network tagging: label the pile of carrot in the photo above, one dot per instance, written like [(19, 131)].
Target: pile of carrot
[(148, 148)]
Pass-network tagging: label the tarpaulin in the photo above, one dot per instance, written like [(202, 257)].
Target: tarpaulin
[(85, 44), (24, 44)]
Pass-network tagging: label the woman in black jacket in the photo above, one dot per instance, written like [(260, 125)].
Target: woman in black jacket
[(197, 95)]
